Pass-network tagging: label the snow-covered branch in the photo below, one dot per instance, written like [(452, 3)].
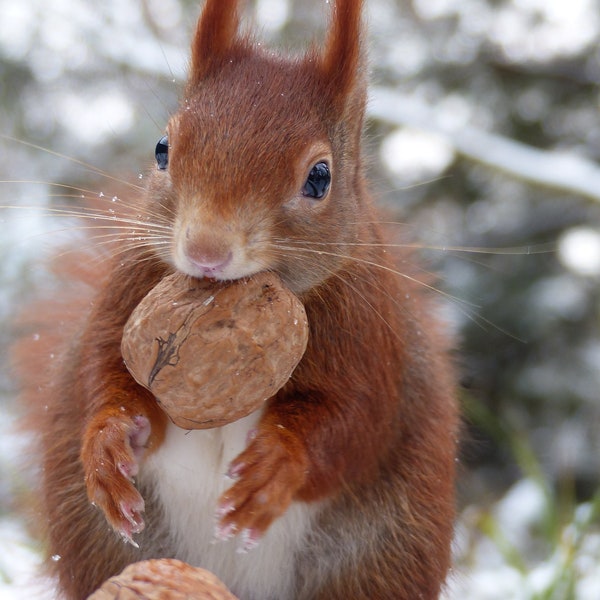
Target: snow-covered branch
[(560, 170)]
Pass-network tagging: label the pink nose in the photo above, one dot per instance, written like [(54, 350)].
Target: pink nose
[(207, 268), (210, 258)]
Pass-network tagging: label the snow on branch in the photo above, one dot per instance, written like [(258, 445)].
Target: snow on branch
[(560, 170)]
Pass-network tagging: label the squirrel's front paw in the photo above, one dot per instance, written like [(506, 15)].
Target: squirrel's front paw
[(268, 473), (112, 449)]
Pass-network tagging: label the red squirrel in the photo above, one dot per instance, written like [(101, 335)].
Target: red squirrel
[(342, 486)]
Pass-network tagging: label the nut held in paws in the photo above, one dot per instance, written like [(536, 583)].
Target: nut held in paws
[(213, 352)]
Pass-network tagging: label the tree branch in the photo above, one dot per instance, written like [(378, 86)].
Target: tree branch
[(564, 171)]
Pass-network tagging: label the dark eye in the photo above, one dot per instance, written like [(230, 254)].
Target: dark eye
[(318, 181), (162, 153)]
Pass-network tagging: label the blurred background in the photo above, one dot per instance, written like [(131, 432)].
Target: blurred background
[(484, 134)]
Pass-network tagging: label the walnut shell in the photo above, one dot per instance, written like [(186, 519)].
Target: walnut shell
[(213, 352), (162, 579)]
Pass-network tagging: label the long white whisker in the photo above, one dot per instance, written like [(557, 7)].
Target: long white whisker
[(515, 250), (394, 190), (52, 184), (376, 265), (92, 214), (356, 290), (122, 250), (73, 160), (478, 319)]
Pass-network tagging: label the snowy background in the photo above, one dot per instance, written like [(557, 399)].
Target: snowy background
[(485, 135)]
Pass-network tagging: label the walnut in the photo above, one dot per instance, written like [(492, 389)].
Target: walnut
[(213, 352), (162, 579)]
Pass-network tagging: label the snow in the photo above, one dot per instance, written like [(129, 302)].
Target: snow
[(509, 567), (19, 563), (50, 37), (541, 30), (20, 556), (63, 25), (414, 156), (272, 14), (96, 118), (579, 251), (554, 168), (536, 30)]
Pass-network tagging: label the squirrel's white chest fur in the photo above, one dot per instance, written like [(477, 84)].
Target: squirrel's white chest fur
[(188, 476)]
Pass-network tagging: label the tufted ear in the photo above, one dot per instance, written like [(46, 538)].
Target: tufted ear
[(342, 62), (216, 37)]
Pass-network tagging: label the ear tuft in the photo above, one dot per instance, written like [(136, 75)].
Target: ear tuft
[(342, 61), (215, 38)]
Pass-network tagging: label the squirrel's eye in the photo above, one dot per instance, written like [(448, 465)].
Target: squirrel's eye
[(318, 181), (162, 153)]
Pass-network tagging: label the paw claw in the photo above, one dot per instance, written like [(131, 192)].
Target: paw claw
[(250, 541), (235, 470), (225, 532), (133, 515), (128, 470), (129, 540), (224, 509)]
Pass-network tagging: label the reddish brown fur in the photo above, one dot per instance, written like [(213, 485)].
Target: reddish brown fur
[(368, 420)]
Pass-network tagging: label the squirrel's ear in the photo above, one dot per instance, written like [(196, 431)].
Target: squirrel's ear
[(215, 37), (342, 63)]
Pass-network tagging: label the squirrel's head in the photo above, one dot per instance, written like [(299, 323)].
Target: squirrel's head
[(262, 162)]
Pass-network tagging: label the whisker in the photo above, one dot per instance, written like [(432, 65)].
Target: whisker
[(403, 188), (92, 214), (455, 300), (76, 161), (128, 242), (371, 263), (114, 239), (502, 251), (355, 289), (131, 236), (91, 195), (101, 258), (51, 184)]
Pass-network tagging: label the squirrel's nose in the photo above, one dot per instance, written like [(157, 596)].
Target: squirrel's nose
[(207, 254)]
